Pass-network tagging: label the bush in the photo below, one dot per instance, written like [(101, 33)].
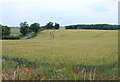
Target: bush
[(11, 37)]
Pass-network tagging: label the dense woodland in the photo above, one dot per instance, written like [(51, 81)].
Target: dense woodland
[(94, 26)]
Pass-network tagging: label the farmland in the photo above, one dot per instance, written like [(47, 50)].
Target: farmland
[(15, 31), (70, 55)]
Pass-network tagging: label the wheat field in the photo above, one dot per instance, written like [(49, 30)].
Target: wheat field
[(69, 55)]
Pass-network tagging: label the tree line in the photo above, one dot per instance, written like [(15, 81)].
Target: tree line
[(35, 27), (25, 29), (94, 26)]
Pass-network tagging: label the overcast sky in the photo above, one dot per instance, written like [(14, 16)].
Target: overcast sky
[(64, 12)]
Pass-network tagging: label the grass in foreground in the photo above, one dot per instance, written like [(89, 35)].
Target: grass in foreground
[(71, 55)]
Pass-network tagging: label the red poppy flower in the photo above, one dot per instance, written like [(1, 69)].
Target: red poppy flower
[(29, 70), (30, 67), (75, 73), (54, 64), (76, 70), (86, 72), (43, 71), (24, 70), (18, 68), (96, 71), (66, 65)]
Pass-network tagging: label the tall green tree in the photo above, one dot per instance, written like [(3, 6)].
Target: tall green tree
[(56, 26), (49, 25), (35, 27), (5, 31), (24, 28)]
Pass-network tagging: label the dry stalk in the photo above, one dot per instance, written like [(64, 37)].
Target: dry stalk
[(5, 77), (84, 75), (94, 74), (113, 77), (90, 76), (14, 75)]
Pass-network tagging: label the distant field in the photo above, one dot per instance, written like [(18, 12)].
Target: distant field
[(69, 55), (15, 31)]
